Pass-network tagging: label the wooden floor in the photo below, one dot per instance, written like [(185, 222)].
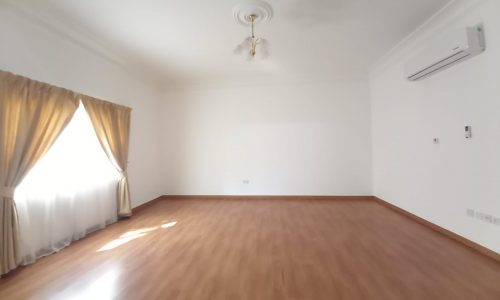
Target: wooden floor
[(261, 249)]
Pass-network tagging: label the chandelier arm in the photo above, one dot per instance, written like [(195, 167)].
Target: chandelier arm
[(253, 36), (253, 49)]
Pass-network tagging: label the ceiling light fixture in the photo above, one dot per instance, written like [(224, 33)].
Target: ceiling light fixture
[(250, 13)]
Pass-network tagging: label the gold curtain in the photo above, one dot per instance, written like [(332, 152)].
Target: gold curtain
[(32, 115), (112, 126)]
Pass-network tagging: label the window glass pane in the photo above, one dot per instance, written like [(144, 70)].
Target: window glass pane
[(70, 191)]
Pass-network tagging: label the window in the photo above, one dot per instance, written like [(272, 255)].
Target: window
[(70, 192)]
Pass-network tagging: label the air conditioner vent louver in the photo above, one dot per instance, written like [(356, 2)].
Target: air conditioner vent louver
[(449, 50)]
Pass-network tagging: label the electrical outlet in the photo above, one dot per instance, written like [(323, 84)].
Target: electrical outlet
[(488, 218), (494, 220), (471, 212), (468, 132), (482, 216), (246, 181)]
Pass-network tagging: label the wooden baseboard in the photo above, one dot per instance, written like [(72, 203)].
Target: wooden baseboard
[(481, 249), (266, 197)]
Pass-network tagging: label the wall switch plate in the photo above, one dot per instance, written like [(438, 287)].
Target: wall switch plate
[(468, 132), (435, 140)]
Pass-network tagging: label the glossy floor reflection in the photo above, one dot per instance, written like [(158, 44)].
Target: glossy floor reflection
[(103, 287), (132, 235), (125, 238), (260, 249)]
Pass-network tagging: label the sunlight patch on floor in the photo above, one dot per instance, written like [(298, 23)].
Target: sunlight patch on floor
[(132, 235), (126, 237), (169, 224), (142, 231)]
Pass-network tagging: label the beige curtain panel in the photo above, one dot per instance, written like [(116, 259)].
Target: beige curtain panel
[(112, 126), (32, 115)]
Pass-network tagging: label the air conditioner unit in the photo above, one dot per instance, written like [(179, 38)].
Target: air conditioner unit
[(446, 51)]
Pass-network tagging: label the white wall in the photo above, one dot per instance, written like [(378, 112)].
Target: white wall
[(30, 49), (303, 139), (440, 182)]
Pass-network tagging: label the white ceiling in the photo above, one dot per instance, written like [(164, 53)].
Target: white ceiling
[(191, 41)]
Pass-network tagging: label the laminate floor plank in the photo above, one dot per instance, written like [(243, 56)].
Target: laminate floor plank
[(260, 249)]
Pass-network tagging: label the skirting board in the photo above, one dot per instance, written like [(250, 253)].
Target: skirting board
[(263, 197), (481, 249)]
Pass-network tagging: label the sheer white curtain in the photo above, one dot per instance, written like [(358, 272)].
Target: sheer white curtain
[(69, 193)]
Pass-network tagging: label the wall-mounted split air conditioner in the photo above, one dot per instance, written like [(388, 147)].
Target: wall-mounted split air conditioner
[(445, 52)]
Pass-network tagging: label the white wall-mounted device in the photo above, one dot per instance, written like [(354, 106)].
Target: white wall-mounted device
[(446, 51), (468, 132)]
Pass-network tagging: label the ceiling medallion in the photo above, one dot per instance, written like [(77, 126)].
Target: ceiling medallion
[(250, 13)]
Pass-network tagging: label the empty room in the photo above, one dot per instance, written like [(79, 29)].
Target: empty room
[(250, 149)]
